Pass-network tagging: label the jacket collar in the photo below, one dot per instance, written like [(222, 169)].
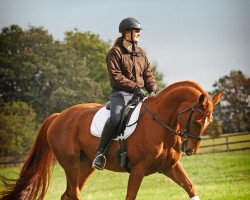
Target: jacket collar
[(137, 50)]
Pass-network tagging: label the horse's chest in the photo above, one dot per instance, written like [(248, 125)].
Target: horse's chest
[(165, 160), (169, 158)]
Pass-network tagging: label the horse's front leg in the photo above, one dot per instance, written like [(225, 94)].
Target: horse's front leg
[(178, 175), (134, 182)]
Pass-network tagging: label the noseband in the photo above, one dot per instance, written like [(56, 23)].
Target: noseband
[(186, 133)]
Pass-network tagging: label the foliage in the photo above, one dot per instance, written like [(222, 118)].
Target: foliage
[(17, 128), (234, 109), (215, 129), (46, 74), (158, 77), (92, 50)]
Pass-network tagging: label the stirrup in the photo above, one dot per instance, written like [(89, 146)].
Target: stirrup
[(99, 162)]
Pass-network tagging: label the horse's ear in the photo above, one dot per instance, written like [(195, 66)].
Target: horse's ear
[(202, 100), (217, 97)]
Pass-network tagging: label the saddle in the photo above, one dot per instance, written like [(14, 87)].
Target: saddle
[(129, 119), (103, 114)]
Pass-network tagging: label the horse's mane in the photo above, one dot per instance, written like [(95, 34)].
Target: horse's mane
[(191, 84)]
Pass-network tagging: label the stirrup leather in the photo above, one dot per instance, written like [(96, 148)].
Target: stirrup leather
[(99, 162)]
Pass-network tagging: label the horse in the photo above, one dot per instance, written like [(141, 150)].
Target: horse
[(172, 123)]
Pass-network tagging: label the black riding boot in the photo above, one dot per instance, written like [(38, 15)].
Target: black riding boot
[(107, 135)]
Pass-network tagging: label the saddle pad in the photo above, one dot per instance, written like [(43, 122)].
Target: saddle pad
[(103, 114)]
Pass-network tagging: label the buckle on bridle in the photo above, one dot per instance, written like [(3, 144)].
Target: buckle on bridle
[(183, 136)]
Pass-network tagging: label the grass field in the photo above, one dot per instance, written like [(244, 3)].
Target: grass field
[(218, 176)]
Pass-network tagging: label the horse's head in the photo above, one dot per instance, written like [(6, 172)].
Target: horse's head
[(194, 121)]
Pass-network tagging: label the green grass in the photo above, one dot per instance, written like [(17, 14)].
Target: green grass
[(218, 176)]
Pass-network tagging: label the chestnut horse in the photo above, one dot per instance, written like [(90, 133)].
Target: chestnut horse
[(173, 122)]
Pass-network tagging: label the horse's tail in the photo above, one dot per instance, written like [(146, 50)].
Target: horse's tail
[(34, 178)]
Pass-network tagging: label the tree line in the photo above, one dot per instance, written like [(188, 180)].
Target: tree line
[(40, 75)]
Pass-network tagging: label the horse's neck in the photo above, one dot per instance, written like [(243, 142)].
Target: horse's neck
[(166, 112), (167, 103), (165, 108), (183, 84)]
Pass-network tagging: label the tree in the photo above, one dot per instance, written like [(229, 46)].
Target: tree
[(17, 129), (158, 77), (45, 73), (234, 109), (215, 129), (92, 50)]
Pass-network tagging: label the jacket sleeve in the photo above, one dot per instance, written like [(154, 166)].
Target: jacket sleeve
[(117, 79), (149, 79)]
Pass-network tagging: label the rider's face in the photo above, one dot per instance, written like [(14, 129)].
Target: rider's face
[(136, 34)]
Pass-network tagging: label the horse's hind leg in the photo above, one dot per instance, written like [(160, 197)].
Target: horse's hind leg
[(72, 171), (85, 170)]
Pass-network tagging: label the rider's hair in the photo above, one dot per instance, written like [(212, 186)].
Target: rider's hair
[(118, 40)]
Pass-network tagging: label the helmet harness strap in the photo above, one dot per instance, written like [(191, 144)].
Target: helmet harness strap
[(133, 43), (134, 53)]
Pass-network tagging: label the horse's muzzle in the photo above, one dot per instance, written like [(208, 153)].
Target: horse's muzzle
[(187, 151)]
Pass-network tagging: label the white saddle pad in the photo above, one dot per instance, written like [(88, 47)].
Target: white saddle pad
[(103, 114)]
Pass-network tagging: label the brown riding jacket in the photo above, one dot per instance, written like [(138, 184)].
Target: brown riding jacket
[(127, 71)]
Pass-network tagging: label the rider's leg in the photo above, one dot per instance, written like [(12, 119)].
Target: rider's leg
[(107, 135), (117, 103)]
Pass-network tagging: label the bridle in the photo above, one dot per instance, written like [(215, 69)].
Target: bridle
[(186, 133)]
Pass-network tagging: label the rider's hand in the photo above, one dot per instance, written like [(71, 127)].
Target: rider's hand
[(139, 92)]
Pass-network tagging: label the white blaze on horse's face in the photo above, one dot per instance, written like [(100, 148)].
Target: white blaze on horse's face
[(206, 122)]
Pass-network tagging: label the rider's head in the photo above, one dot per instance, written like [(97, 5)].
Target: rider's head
[(130, 29)]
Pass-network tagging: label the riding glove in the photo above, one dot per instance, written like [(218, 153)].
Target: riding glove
[(139, 92)]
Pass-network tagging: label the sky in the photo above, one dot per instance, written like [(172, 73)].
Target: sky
[(199, 40)]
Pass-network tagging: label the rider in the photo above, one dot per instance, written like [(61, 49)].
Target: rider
[(129, 72)]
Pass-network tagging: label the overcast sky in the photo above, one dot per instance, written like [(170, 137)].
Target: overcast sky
[(200, 40)]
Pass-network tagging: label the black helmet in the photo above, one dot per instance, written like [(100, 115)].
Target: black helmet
[(128, 24)]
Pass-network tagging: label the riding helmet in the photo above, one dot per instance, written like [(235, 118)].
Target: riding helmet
[(128, 24)]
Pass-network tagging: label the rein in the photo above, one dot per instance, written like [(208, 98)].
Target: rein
[(186, 133)]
